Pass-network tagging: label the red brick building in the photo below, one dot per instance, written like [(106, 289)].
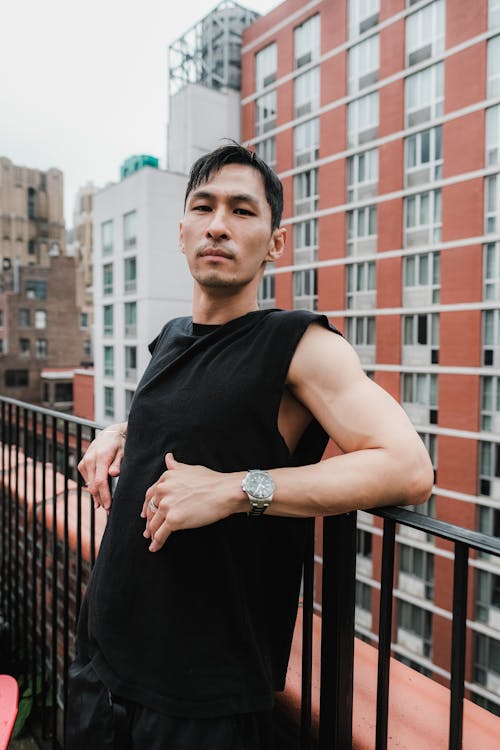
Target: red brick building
[(382, 118)]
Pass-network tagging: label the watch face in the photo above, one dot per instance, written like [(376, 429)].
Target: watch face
[(259, 484)]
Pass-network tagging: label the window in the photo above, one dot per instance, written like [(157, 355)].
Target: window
[(265, 113), (305, 289), (360, 285), (423, 218), (266, 149), (363, 602), (31, 247), (130, 269), (488, 520), (491, 338), (421, 279), (131, 363), (492, 136), (87, 348), (266, 64), (487, 597), (361, 230), (417, 622), (493, 67), (363, 14), (109, 362), (363, 543), (307, 41), (1, 318), (490, 404), (40, 319), (360, 331), (16, 378), (424, 95), (107, 313), (423, 157), (129, 395), (24, 347), (31, 203), (493, 14), (130, 230), (2, 346), (36, 289), (492, 204), (491, 271), (422, 330), (487, 662), (107, 278), (307, 92), (362, 120), (84, 320), (63, 392), (107, 237), (109, 401), (42, 348), (430, 442), (421, 389), (362, 175), (130, 319), (24, 318), (414, 563), (364, 61), (305, 241), (306, 191), (306, 142), (489, 469), (267, 294), (425, 33)]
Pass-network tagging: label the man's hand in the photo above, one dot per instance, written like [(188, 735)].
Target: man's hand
[(102, 459), (186, 497)]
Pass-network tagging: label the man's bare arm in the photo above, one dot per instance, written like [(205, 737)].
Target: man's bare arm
[(103, 460), (384, 460)]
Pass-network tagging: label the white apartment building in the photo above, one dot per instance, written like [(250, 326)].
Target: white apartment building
[(141, 280)]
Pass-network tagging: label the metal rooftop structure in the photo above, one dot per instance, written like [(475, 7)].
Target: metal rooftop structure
[(209, 52)]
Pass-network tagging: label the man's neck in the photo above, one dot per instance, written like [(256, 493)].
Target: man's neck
[(217, 309)]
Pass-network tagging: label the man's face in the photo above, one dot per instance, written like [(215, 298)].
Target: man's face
[(226, 231)]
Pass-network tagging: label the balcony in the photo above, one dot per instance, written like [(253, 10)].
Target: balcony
[(341, 692)]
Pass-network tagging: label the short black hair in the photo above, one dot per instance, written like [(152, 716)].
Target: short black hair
[(233, 153)]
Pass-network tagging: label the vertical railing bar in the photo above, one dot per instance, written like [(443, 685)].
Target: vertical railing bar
[(92, 517), (385, 631), (34, 577), (458, 643), (55, 576), (25, 543), (337, 632), (65, 566), (17, 549), (307, 633), (5, 525), (43, 578), (11, 548), (78, 587)]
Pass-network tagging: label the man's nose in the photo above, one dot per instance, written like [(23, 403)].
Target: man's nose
[(218, 226)]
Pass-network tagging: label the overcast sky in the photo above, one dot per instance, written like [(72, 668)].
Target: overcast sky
[(84, 84)]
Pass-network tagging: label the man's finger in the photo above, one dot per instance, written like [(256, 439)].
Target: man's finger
[(160, 537)]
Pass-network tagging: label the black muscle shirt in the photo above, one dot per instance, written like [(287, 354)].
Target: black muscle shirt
[(203, 627)]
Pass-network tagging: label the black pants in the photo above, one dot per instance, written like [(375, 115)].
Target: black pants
[(98, 720)]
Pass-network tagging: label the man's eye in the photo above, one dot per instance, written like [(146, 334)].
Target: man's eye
[(243, 211), (201, 208)]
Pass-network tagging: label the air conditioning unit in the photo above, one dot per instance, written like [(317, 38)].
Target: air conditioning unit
[(6, 264)]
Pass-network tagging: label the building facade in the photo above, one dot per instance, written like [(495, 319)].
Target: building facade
[(140, 280), (382, 118)]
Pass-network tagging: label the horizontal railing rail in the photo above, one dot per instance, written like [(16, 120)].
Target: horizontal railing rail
[(49, 538)]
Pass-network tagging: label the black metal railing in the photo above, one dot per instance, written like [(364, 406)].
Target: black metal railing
[(45, 562)]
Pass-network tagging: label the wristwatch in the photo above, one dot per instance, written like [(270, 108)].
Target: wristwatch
[(259, 486)]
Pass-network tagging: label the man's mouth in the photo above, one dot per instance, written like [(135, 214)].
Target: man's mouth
[(214, 252)]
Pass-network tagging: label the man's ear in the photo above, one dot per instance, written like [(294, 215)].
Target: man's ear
[(181, 238), (277, 244)]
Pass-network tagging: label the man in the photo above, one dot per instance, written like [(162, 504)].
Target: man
[(186, 628)]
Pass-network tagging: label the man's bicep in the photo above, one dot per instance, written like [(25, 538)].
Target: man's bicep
[(327, 377)]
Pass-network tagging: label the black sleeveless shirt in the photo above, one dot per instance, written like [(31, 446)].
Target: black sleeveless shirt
[(203, 627)]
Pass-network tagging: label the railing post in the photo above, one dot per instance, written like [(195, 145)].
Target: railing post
[(385, 631), (458, 645), (337, 632)]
